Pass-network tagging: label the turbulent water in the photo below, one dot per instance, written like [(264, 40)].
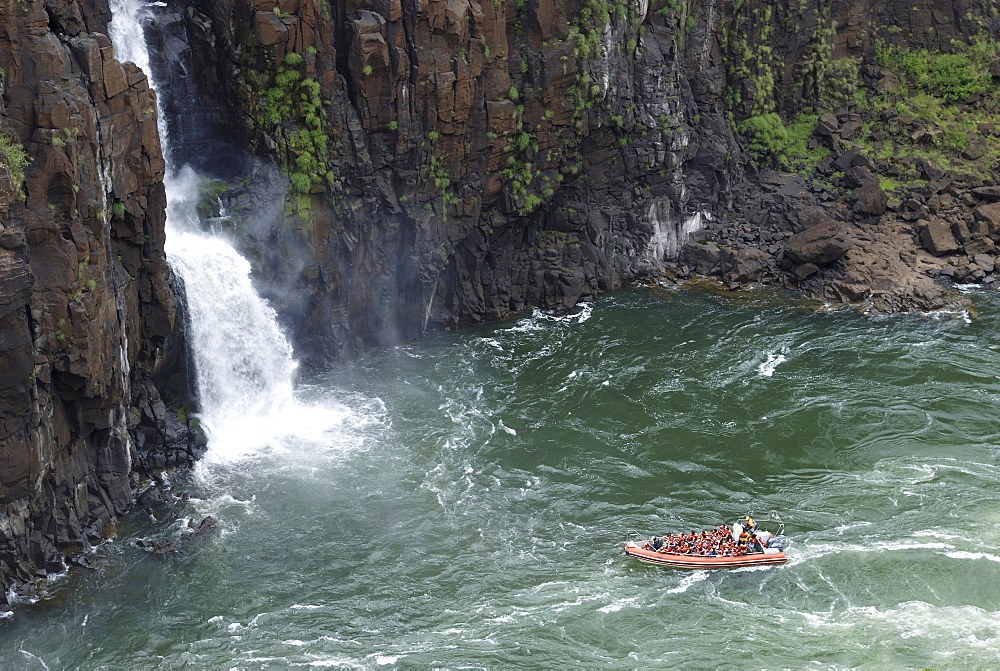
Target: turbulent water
[(463, 503)]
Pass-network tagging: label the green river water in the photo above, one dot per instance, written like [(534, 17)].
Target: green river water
[(462, 503)]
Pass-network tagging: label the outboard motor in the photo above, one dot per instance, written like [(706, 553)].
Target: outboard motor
[(775, 542)]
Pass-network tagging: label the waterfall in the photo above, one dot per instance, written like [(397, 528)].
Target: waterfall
[(243, 363)]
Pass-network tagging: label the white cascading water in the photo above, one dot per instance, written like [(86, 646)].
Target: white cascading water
[(244, 365)]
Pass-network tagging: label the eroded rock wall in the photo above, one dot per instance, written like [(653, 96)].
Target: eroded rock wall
[(86, 308), (455, 161), (467, 160)]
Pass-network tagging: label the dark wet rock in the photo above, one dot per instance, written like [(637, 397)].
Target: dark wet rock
[(159, 547), (206, 525), (86, 298), (151, 497)]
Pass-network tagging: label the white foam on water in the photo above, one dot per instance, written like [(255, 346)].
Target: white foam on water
[(536, 321), (618, 604), (688, 581), (972, 555), (34, 657), (804, 552), (767, 368)]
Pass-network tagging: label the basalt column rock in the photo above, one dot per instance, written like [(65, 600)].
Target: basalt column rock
[(455, 162), (85, 293)]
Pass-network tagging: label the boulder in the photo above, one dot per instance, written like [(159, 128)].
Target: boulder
[(850, 129), (806, 270), (979, 246), (869, 200), (961, 231), (989, 215), (990, 193), (825, 242), (204, 526), (827, 124), (742, 265), (976, 149), (860, 176), (930, 169), (985, 262), (704, 256), (937, 238)]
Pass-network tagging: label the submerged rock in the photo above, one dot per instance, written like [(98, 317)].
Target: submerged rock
[(207, 524), (157, 546)]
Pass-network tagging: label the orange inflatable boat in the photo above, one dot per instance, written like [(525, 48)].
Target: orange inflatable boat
[(650, 556), (743, 544)]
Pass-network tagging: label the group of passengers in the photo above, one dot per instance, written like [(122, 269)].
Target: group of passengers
[(716, 543)]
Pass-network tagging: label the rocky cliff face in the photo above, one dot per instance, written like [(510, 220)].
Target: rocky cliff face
[(86, 308), (454, 161)]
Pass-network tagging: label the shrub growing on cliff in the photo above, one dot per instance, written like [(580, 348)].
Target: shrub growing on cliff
[(772, 143), (301, 182), (292, 58), (17, 160)]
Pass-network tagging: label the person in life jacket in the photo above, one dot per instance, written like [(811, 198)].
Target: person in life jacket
[(748, 523)]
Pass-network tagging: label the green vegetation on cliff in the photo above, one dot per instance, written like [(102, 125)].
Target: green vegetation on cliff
[(945, 108), (293, 109), (17, 160), (952, 77), (775, 143), (917, 105)]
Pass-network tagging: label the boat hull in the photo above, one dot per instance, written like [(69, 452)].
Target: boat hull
[(699, 562)]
